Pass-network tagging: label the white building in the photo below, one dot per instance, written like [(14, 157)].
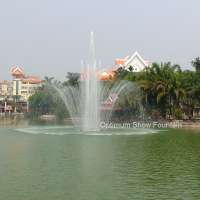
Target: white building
[(6, 88), (134, 63), (24, 86)]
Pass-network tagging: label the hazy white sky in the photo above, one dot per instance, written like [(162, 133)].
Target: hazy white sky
[(50, 37)]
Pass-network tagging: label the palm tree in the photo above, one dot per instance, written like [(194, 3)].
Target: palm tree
[(196, 64), (48, 79), (161, 86), (72, 79)]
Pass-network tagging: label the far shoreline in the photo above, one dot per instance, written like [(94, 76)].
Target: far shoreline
[(191, 125)]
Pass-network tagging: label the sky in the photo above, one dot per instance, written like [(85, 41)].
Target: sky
[(51, 37)]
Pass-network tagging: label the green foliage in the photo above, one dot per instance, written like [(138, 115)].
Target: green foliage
[(46, 101), (59, 108), (167, 89), (196, 64), (72, 79), (40, 103), (178, 113)]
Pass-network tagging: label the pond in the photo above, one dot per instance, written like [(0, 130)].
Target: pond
[(59, 162)]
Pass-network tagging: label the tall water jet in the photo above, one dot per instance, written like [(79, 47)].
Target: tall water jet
[(90, 92), (93, 100)]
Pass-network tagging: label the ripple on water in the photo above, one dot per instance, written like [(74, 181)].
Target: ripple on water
[(69, 130)]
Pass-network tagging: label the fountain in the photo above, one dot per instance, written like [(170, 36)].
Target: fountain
[(85, 101), (90, 93)]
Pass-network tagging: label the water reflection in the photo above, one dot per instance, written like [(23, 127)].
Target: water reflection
[(152, 166)]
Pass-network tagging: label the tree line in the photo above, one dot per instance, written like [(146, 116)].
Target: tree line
[(167, 92)]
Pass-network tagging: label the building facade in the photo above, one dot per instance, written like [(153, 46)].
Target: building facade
[(6, 88), (134, 63), (24, 86), (14, 94)]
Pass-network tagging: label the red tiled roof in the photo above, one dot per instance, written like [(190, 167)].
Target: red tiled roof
[(16, 71), (120, 61), (32, 80)]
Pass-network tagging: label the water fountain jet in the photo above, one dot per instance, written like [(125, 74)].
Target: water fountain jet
[(85, 102)]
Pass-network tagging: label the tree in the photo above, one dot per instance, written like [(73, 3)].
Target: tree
[(191, 83), (47, 101), (40, 103), (130, 68), (196, 64), (72, 79), (48, 79), (162, 88)]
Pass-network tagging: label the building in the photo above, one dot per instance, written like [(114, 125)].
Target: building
[(134, 63), (24, 86), (6, 88), (14, 94)]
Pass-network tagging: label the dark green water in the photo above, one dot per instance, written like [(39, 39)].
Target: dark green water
[(46, 164)]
